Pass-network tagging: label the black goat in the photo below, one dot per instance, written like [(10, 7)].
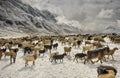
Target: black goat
[(41, 52), (55, 45), (27, 50), (58, 57), (20, 45), (48, 47), (79, 56), (79, 43)]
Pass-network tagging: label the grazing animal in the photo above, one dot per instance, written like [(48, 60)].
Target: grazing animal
[(79, 43), (116, 40), (87, 42), (27, 50), (87, 48), (30, 57), (58, 57), (111, 52), (55, 45), (15, 50), (3, 50), (99, 53), (42, 52), (97, 44), (52, 54), (79, 56), (106, 72), (48, 47), (74, 44), (12, 55), (1, 54), (67, 50)]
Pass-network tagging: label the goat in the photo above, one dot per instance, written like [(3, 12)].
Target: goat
[(1, 54), (60, 57), (79, 43), (12, 55), (55, 45), (79, 56), (27, 50), (48, 47), (87, 48), (42, 52), (99, 53), (67, 49), (74, 44), (3, 50), (106, 72), (30, 57), (97, 44), (111, 52), (52, 54), (116, 40), (87, 42)]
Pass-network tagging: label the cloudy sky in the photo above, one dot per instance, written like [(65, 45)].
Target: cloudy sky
[(87, 14)]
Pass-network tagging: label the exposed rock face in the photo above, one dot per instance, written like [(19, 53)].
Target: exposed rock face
[(19, 17)]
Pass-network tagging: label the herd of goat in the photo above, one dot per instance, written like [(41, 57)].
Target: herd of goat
[(94, 47)]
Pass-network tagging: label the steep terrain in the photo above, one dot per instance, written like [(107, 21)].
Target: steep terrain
[(93, 16), (18, 17)]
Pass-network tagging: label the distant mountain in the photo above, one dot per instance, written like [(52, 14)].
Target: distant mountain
[(92, 16), (112, 29), (16, 16)]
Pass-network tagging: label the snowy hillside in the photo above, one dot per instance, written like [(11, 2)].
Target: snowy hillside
[(16, 16), (45, 69), (92, 16)]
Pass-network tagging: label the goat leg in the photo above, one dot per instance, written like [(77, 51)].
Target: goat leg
[(10, 59), (62, 60), (74, 59), (55, 61), (85, 61), (26, 63), (33, 62), (108, 57), (112, 57), (14, 60), (101, 61), (91, 61)]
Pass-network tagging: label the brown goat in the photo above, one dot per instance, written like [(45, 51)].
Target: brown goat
[(1, 54), (99, 53), (87, 48), (111, 52), (12, 55), (30, 57), (67, 50), (106, 72)]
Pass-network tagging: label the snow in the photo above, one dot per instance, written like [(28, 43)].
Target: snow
[(43, 68)]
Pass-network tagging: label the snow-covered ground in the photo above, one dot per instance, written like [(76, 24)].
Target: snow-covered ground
[(45, 69)]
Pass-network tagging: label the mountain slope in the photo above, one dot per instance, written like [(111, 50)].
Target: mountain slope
[(93, 16), (19, 17)]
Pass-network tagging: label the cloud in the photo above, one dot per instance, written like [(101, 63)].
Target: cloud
[(63, 20), (86, 14), (106, 13)]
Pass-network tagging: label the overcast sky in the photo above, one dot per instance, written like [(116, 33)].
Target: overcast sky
[(86, 13)]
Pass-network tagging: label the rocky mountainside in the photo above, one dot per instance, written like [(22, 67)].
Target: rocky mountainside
[(92, 16), (18, 17)]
